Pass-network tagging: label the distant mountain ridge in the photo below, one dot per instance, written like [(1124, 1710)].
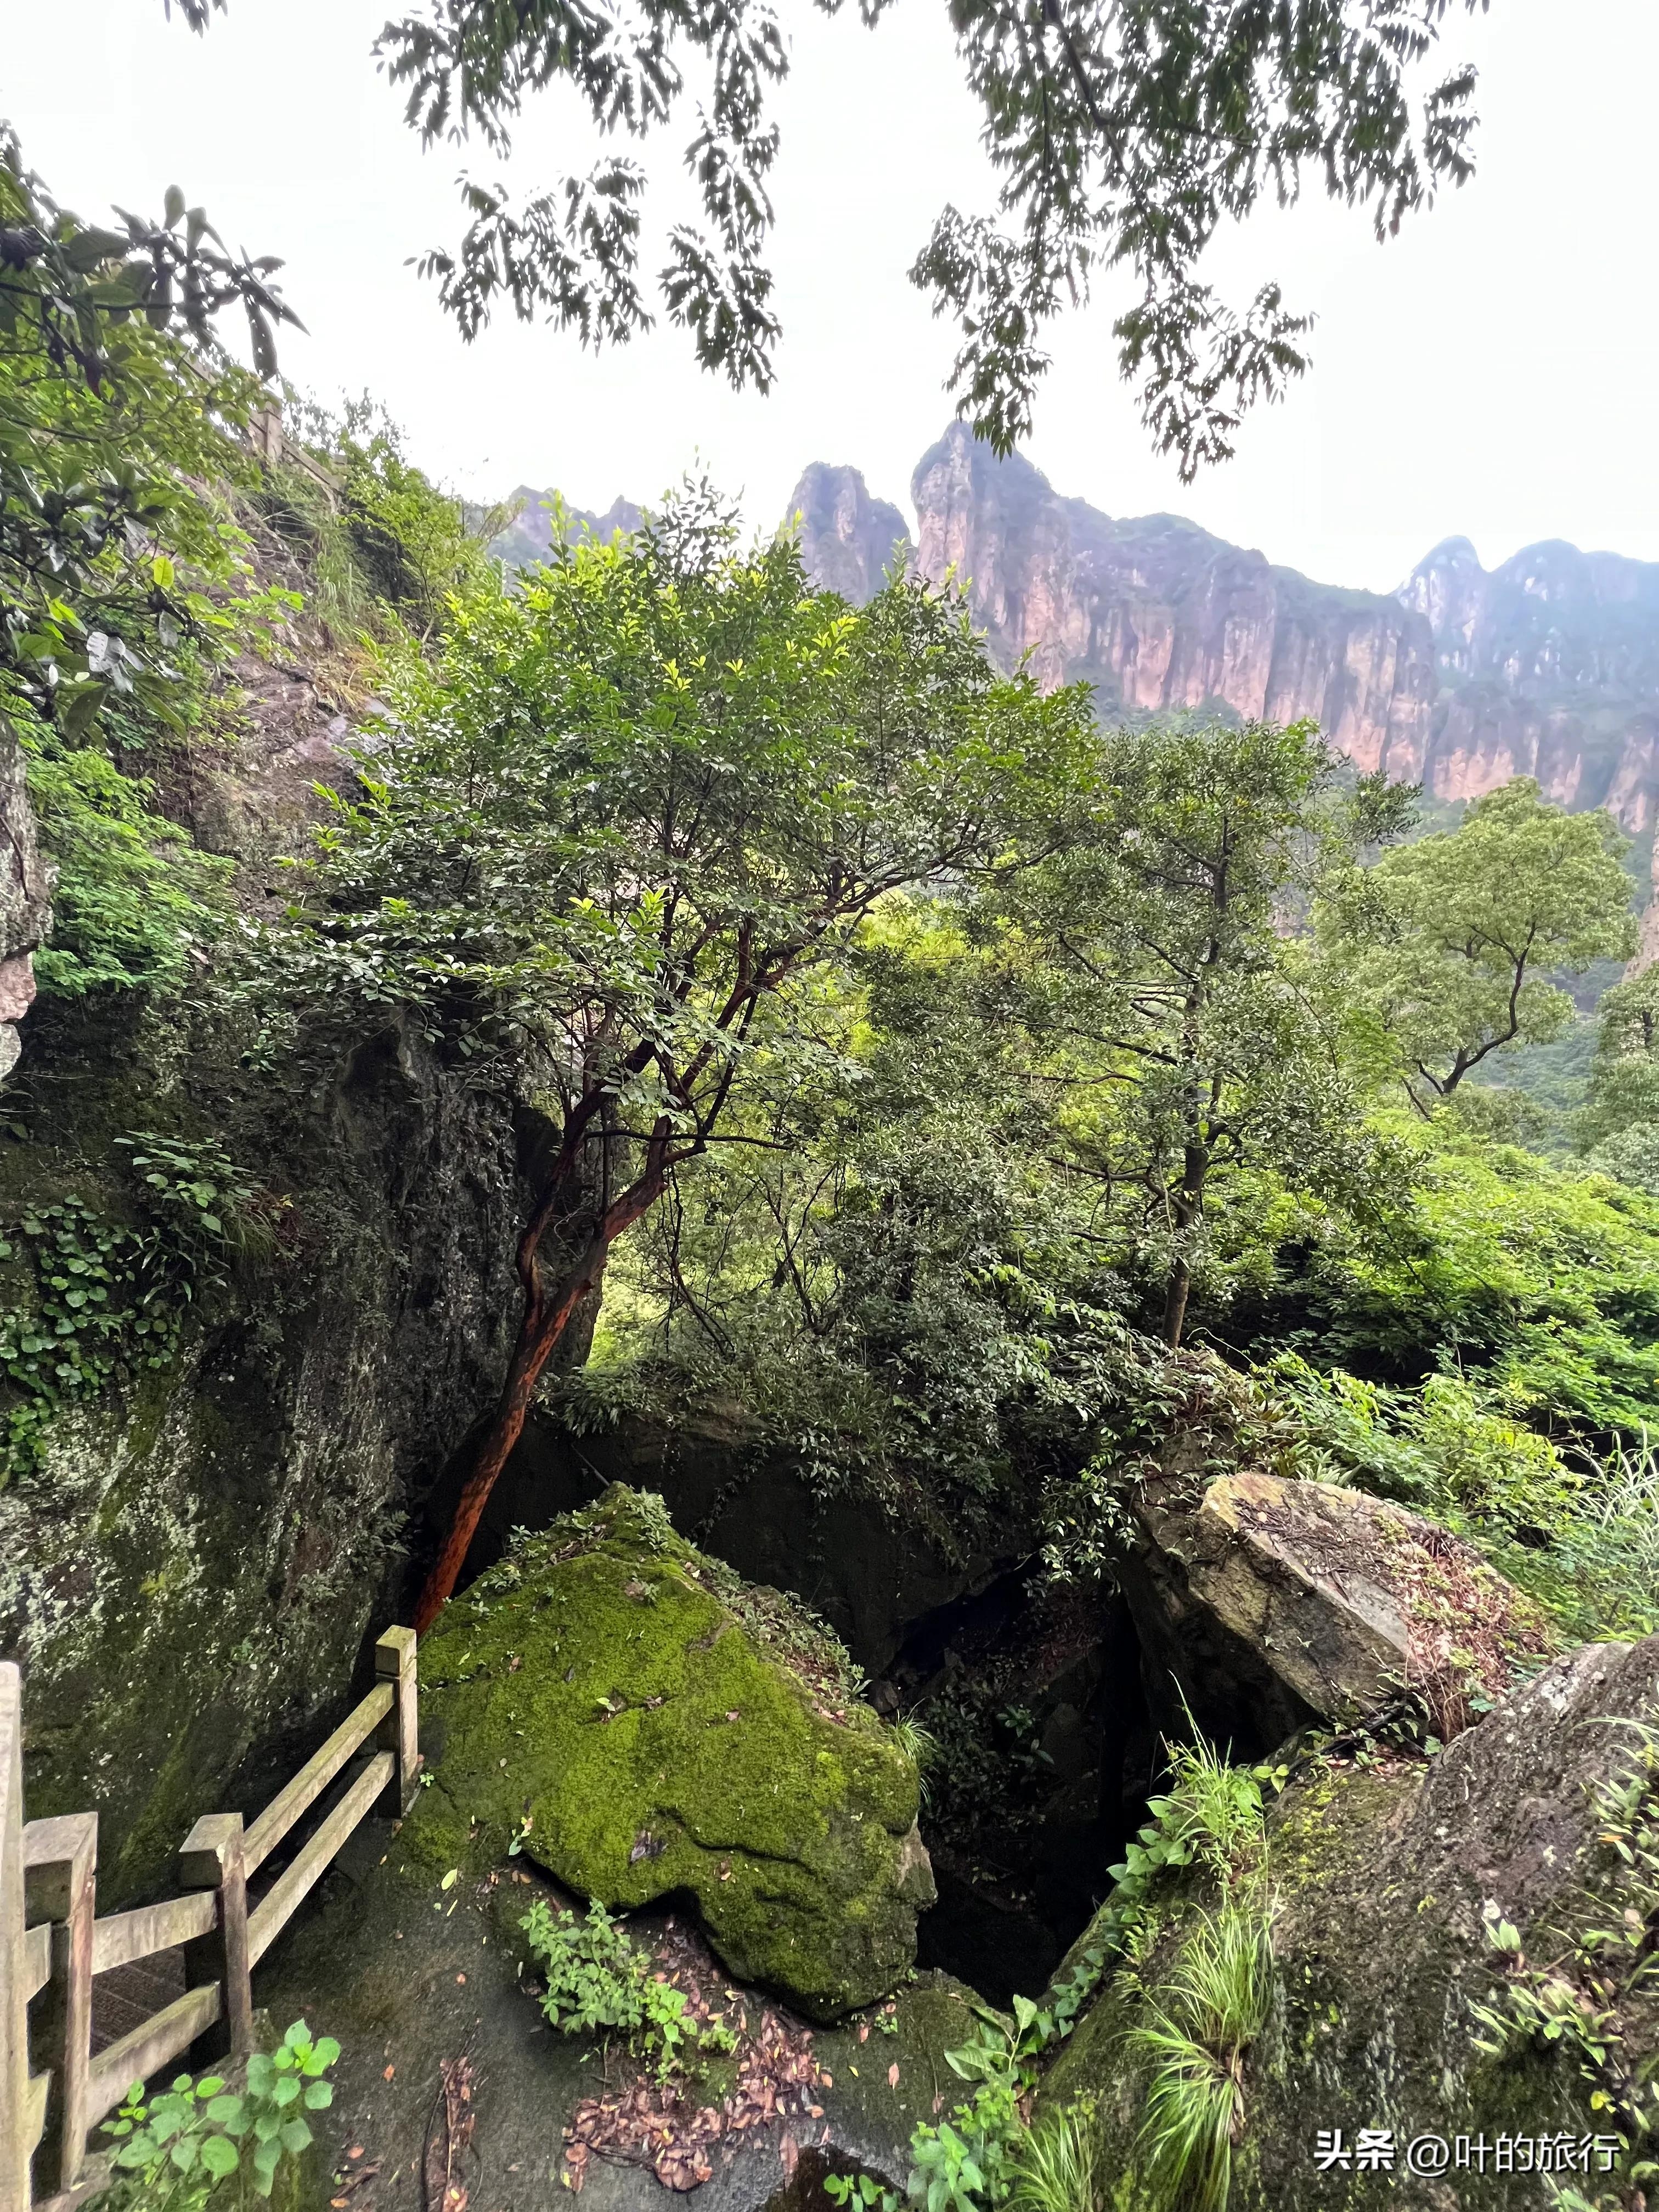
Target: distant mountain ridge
[(1548, 666)]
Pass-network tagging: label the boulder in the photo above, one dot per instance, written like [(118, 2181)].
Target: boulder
[(1513, 1877), (642, 1722), (1263, 1605)]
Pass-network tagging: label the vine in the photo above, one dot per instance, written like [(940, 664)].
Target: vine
[(107, 1300)]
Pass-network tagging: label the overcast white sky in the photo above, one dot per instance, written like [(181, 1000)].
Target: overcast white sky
[(1491, 371)]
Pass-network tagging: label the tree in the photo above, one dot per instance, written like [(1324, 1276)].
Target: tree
[(1451, 943), (1127, 133), (621, 823), (1183, 1019), (1618, 1127), (116, 406)]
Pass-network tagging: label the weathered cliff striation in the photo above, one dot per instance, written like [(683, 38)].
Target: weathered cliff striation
[(1547, 667)]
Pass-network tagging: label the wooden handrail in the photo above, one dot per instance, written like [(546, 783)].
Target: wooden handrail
[(147, 1929), (147, 2046), (314, 1777), (52, 1946), (274, 1912)]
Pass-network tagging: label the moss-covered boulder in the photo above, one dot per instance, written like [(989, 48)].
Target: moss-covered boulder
[(641, 1721), (1461, 1964)]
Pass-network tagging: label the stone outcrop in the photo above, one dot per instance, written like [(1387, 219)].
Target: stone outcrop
[(1158, 614), (529, 537), (848, 540), (1547, 667), (1415, 1903), (1263, 1604), (644, 1724), (25, 890)]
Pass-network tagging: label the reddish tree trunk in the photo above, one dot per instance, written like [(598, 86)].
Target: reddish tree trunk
[(544, 1323)]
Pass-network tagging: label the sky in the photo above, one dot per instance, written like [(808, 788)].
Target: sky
[(1488, 373)]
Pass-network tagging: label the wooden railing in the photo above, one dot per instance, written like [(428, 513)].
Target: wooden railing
[(53, 2091)]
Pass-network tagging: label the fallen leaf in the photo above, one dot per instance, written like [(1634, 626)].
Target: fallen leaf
[(356, 2151), (864, 2030), (892, 2077), (789, 2154), (460, 1978)]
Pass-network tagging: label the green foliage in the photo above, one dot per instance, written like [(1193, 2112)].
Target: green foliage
[(388, 550), (132, 896), (1575, 1526), (595, 1982), (202, 2141), (1056, 2166), (1209, 1819), (1449, 944), (1577, 2000), (101, 1299), (1200, 2023), (1181, 1023), (113, 557), (970, 2162), (1126, 142), (1621, 1117)]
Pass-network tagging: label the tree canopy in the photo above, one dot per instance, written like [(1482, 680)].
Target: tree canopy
[(624, 816), (1452, 943), (1127, 135)]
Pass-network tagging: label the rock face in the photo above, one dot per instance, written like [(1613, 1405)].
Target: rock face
[(25, 888), (647, 1724), (1547, 667), (1267, 1604), (848, 540), (1386, 1882), (529, 537), (1158, 614), (191, 1573)]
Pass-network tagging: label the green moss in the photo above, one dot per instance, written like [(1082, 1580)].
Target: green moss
[(644, 1728)]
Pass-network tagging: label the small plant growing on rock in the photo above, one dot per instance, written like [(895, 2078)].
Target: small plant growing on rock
[(596, 1983), (203, 2140), (1202, 2022), (1578, 2000), (1056, 2167)]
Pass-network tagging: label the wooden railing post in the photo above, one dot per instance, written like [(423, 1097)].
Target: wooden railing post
[(14, 2146), (60, 1875), (400, 1731), (212, 1859)]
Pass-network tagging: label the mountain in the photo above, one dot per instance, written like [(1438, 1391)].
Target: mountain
[(1548, 666), (529, 537), (849, 538)]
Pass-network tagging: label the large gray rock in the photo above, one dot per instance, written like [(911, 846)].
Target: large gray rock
[(1262, 1604), (1387, 1877)]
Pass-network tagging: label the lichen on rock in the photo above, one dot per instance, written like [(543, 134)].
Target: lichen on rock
[(643, 1723)]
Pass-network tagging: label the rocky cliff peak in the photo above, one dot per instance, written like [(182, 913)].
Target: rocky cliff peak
[(848, 540), (529, 537), (1157, 613)]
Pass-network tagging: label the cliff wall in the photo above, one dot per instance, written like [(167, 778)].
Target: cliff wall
[(1547, 667)]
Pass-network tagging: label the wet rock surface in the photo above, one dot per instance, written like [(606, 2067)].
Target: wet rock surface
[(1386, 1875), (413, 1977)]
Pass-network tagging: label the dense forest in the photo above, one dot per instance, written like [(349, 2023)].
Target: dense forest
[(645, 1019)]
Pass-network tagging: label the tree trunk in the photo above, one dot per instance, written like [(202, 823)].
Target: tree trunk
[(1175, 1304), (545, 1325), (1189, 1210)]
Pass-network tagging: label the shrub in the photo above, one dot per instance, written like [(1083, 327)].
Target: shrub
[(596, 1983), (202, 2139)]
